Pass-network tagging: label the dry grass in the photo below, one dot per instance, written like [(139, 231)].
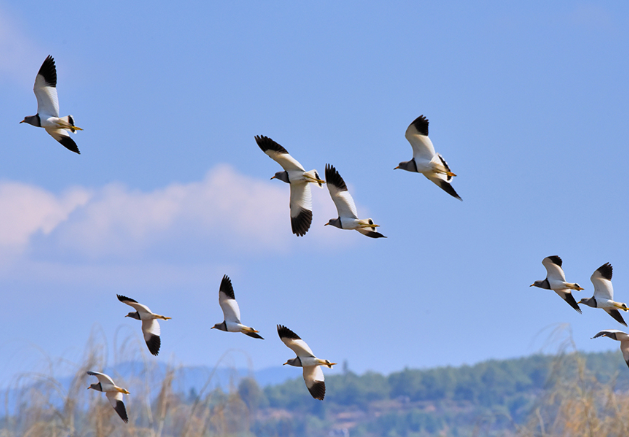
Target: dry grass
[(40, 405), (577, 404)]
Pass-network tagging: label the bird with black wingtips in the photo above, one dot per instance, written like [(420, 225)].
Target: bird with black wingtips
[(150, 326), (112, 391), (231, 311), (604, 294), (299, 181), (48, 107), (425, 160), (313, 375), (620, 336), (556, 281), (345, 206)]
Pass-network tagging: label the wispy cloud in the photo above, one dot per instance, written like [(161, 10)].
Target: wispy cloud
[(224, 210), (16, 51)]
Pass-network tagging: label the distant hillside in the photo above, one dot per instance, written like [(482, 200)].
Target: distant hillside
[(489, 398)]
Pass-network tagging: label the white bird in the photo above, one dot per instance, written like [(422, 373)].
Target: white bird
[(150, 327), (425, 160), (622, 337), (299, 179), (556, 281), (604, 294), (231, 311), (345, 206), (313, 375), (48, 107), (112, 391)]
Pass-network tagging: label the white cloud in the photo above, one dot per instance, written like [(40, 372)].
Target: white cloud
[(224, 210), (27, 210)]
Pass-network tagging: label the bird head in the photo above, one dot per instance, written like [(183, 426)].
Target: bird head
[(32, 120), (590, 301), (293, 362), (334, 222), (282, 176), (541, 284), (134, 315), (220, 326)]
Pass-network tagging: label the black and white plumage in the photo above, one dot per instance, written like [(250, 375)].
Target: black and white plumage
[(556, 281), (620, 336), (425, 160), (150, 326), (299, 180), (313, 375), (345, 206), (48, 107), (231, 311), (604, 294), (112, 391)]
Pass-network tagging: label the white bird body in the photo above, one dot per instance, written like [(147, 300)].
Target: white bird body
[(299, 180), (604, 294), (345, 206), (231, 311), (620, 336), (313, 375), (425, 160), (112, 391), (150, 327), (47, 116)]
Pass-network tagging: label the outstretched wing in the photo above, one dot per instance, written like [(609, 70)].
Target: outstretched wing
[(227, 301), (294, 342), (115, 399), (417, 135), (370, 233), (300, 208), (313, 376), (134, 303), (63, 137), (441, 180), (151, 331), (566, 295), (344, 202), (602, 280), (553, 268), (278, 154), (45, 89), (102, 378)]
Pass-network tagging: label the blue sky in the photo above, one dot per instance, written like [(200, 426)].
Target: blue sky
[(526, 102)]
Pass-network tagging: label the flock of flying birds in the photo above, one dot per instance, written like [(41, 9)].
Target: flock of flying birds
[(425, 161), (603, 296)]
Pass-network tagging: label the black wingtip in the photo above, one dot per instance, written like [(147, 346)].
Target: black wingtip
[(266, 143), (154, 343), (421, 124), (617, 316), (227, 288), (69, 144), (301, 224), (49, 71), (606, 271), (445, 186), (317, 390), (284, 332), (122, 298), (555, 260), (254, 335), (122, 411), (373, 234), (568, 297), (333, 177)]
